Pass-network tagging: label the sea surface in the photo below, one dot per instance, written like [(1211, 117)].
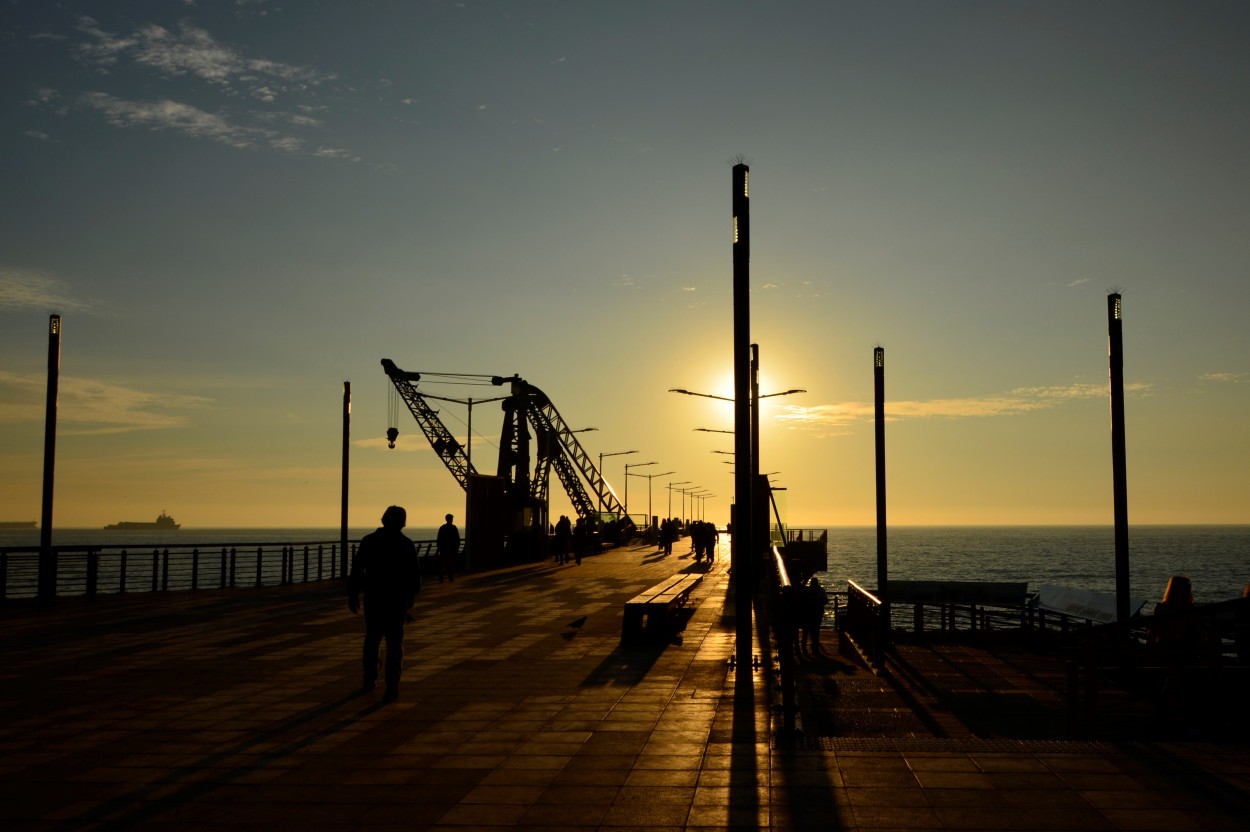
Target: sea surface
[(1216, 558)]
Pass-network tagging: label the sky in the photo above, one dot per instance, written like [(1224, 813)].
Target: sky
[(237, 205)]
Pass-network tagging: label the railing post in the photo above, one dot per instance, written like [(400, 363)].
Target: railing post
[(305, 563), (1074, 696), (234, 563), (121, 580), (156, 568), (260, 554), (165, 569), (1091, 695), (4, 576), (320, 563), (221, 581), (195, 568), (93, 571)]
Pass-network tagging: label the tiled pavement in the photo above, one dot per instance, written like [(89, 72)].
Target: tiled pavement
[(239, 709)]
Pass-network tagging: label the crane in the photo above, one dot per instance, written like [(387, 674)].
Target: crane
[(533, 432)]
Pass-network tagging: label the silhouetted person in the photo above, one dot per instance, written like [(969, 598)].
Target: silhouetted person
[(1179, 642), (385, 569), (563, 541), (448, 549), (812, 602), (581, 540)]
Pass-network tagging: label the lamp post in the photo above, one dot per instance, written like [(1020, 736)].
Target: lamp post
[(627, 467), (684, 492), (649, 478), (605, 479), (670, 494), (696, 495), (751, 446)]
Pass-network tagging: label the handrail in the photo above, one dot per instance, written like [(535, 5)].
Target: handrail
[(864, 625), (785, 626), (115, 568)]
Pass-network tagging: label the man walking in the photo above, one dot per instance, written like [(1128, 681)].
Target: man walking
[(385, 569), (448, 549)]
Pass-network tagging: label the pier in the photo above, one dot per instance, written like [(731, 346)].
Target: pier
[(240, 708)]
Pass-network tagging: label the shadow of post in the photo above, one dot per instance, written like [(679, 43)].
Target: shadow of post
[(800, 771)]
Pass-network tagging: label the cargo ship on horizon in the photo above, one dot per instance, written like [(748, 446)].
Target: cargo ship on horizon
[(19, 524), (163, 523)]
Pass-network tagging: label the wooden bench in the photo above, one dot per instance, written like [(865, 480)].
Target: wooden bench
[(651, 616)]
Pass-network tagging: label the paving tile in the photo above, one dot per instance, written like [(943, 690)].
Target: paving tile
[(253, 723)]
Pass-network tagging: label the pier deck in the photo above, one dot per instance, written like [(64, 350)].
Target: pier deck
[(239, 709)]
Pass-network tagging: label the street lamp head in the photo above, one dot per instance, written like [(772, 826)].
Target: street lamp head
[(692, 393)]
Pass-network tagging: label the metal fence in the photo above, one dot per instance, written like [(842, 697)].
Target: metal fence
[(101, 570)]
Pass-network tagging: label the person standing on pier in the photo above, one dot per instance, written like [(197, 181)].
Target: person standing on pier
[(386, 570), (448, 549)]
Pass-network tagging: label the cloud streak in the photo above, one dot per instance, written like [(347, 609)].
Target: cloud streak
[(22, 290), (88, 407), (190, 54), (841, 416), (193, 51)]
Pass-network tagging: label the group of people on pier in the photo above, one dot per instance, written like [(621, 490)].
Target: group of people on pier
[(703, 540)]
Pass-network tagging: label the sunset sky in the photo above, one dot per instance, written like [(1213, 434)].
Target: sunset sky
[(237, 205)]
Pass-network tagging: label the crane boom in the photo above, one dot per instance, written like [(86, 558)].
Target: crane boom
[(450, 451), (573, 459)]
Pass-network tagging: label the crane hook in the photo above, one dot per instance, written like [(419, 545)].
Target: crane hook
[(391, 435)]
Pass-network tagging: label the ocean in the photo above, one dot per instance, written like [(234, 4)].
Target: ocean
[(1216, 558)]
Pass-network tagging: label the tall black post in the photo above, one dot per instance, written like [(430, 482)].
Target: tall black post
[(1119, 473), (47, 558), (883, 563), (743, 540), (759, 493), (347, 435)]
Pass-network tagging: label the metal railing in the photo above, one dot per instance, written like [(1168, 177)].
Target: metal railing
[(864, 624), (785, 626), (92, 570)]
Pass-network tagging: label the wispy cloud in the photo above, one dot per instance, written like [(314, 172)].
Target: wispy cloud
[(172, 115), (22, 289), (1225, 378), (837, 417), (192, 54), (90, 407), (193, 51), (183, 118)]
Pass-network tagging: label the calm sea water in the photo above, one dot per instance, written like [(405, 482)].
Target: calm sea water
[(1217, 558)]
